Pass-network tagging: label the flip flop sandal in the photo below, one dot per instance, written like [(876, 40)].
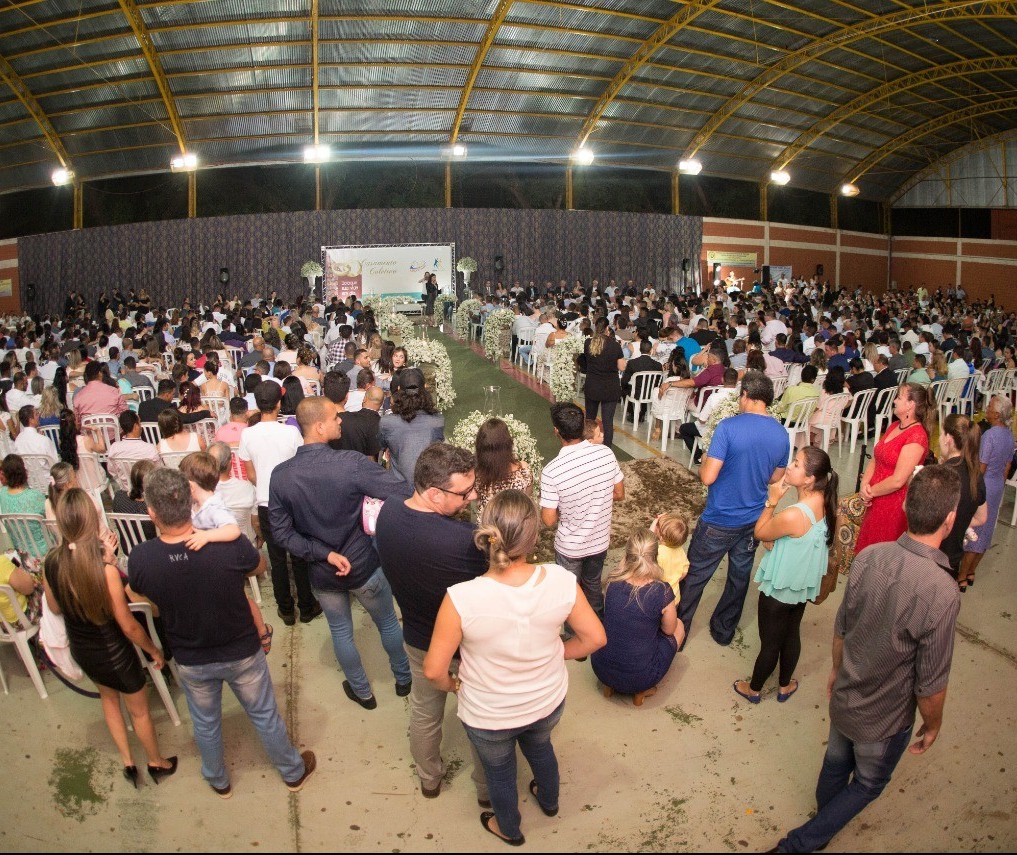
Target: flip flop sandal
[(752, 699), (781, 697), (266, 639)]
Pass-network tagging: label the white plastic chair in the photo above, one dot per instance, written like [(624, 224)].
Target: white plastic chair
[(103, 429), (644, 385), (145, 393), (167, 361), (524, 339), (150, 432), (129, 529), (676, 407), (157, 678), (120, 472), (313, 389), (884, 411), (18, 634), (794, 374), (205, 428), (51, 431), (797, 423), (832, 410), (171, 459), (902, 375), (950, 395), (29, 534), (856, 417), (780, 385), (235, 355), (38, 466), (219, 408)]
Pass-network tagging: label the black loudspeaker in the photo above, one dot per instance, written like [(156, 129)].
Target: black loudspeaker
[(766, 275), (685, 265), (224, 275), (819, 270), (30, 292), (499, 263)]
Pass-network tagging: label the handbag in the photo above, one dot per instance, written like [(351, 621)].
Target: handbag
[(851, 512), (53, 635), (369, 514)]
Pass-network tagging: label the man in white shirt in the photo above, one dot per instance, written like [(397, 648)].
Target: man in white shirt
[(18, 396), (958, 367), (123, 454), (263, 447), (774, 327), (30, 441), (578, 490)]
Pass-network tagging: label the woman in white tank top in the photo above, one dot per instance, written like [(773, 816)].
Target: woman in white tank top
[(512, 681)]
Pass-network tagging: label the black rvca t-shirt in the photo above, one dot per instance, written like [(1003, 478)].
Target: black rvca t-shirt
[(200, 596), (422, 555)]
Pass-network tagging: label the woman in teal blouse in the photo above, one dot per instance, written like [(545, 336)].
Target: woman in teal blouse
[(798, 541)]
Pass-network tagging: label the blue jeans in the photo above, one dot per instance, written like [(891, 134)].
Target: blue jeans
[(376, 597), (588, 570), (497, 751), (251, 682), (853, 775), (709, 544)]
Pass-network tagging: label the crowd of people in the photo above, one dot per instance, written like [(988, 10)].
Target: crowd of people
[(304, 401)]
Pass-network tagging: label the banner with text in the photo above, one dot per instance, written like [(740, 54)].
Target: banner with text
[(731, 259), (388, 271)]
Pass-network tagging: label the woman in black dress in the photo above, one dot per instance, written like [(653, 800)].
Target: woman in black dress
[(604, 359), (430, 295), (82, 582)]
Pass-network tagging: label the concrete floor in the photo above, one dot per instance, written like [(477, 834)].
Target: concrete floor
[(696, 768)]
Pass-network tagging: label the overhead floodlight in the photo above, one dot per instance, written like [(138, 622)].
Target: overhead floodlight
[(690, 167), (62, 176), (317, 153), (458, 150), (583, 156), (780, 177), (849, 190), (186, 162)]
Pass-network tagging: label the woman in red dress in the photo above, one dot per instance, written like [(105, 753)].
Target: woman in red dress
[(885, 482)]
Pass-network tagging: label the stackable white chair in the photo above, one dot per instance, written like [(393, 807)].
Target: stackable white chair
[(172, 459), (18, 635), (855, 418), (236, 354), (103, 429), (833, 409), (644, 385), (129, 529), (29, 534), (219, 408), (313, 389), (150, 432), (205, 428), (780, 385), (524, 339), (884, 411), (38, 466), (902, 375), (794, 374), (145, 393), (53, 432), (797, 423), (157, 678), (676, 407)]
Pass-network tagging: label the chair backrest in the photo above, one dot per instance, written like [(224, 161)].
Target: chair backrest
[(835, 404), (644, 384), (120, 471), (884, 401), (205, 428), (53, 432), (8, 630), (172, 458), (29, 534), (860, 403), (129, 529), (150, 432), (799, 413), (219, 408), (313, 387), (526, 336), (235, 355), (90, 471), (167, 360), (902, 375), (794, 374), (104, 429), (145, 393), (38, 466), (780, 385)]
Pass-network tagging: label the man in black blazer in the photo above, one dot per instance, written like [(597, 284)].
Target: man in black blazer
[(643, 362), (884, 379)]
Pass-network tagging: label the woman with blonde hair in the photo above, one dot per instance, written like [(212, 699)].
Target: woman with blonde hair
[(641, 620), (83, 584), (512, 681), (49, 407)]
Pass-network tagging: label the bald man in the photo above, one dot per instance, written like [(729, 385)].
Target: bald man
[(360, 429)]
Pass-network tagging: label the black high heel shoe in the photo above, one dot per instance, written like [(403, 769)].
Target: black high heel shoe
[(157, 772), (131, 774)]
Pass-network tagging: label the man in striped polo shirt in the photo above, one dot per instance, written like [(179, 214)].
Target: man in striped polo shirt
[(578, 490)]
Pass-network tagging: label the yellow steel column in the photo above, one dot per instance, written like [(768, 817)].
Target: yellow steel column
[(192, 195), (317, 188), (675, 197), (568, 188), (448, 184), (79, 204)]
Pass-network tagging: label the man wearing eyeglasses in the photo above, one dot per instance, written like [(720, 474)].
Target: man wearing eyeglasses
[(315, 511), (424, 550)]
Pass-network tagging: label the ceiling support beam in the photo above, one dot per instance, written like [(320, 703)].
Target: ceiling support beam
[(31, 103), (945, 10), (646, 51), (500, 12)]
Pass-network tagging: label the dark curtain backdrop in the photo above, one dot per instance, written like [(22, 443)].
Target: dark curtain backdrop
[(264, 252)]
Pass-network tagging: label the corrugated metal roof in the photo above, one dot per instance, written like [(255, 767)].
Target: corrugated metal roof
[(395, 70)]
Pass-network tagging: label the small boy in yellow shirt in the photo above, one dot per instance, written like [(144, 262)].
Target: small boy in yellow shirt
[(672, 531)]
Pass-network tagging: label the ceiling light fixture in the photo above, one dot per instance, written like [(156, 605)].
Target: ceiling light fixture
[(317, 153), (62, 176), (780, 177), (458, 150), (690, 167), (849, 190), (186, 162), (583, 156)]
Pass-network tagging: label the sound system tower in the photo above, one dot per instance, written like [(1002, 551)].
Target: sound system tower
[(766, 276), (819, 270)]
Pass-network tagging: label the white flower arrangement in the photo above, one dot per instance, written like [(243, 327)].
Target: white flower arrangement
[(524, 445), (466, 265), (421, 350), (463, 317), (443, 300), (395, 324), (311, 268), (497, 322), (722, 411), (564, 368), (381, 305)]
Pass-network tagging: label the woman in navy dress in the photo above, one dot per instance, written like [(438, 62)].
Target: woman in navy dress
[(641, 620)]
